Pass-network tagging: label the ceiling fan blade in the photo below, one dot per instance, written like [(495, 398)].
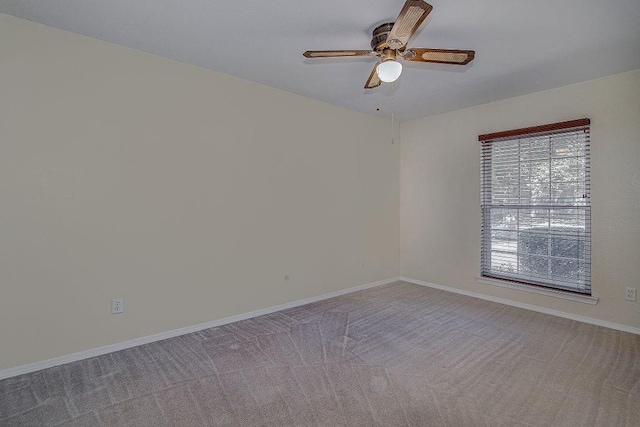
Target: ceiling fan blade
[(441, 56), (373, 80), (336, 53), (413, 13)]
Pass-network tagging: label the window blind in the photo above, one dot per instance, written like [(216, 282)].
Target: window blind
[(536, 206)]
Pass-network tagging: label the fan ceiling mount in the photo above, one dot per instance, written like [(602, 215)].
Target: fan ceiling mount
[(389, 43)]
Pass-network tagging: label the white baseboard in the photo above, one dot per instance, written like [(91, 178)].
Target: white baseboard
[(31, 367), (584, 319)]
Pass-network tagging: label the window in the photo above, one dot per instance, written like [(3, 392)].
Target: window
[(536, 206)]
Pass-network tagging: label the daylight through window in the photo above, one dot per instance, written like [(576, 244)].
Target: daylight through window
[(536, 206)]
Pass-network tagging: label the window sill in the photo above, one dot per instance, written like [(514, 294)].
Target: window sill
[(542, 291)]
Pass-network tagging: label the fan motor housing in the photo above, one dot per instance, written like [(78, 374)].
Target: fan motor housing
[(380, 34)]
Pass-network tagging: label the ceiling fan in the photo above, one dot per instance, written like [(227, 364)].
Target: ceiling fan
[(389, 43)]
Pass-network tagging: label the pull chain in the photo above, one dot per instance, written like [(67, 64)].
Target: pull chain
[(392, 95)]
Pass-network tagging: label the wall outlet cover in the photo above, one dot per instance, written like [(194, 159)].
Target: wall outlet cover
[(117, 306), (630, 294)]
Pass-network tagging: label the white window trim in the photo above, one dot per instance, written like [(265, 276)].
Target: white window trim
[(586, 299)]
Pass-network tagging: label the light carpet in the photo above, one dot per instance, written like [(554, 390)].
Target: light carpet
[(398, 354)]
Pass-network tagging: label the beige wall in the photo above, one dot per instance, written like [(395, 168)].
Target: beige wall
[(190, 194), (440, 191)]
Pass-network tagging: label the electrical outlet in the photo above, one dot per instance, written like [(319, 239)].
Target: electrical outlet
[(630, 294), (117, 306)]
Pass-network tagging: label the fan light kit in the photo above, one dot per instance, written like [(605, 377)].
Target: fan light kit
[(389, 71), (389, 42)]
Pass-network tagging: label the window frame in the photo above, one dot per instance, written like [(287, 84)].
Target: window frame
[(517, 279)]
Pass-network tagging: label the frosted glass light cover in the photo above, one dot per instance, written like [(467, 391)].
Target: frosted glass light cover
[(389, 71)]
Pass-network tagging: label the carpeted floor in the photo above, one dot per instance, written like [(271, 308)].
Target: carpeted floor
[(398, 354)]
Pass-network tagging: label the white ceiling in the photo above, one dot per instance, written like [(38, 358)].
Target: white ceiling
[(521, 46)]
